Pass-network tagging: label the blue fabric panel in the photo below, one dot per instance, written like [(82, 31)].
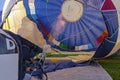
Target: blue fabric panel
[(47, 12), (62, 64), (81, 32), (97, 4), (26, 5), (111, 21), (0, 16), (30, 14), (106, 46), (104, 49), (53, 66), (50, 66), (27, 8)]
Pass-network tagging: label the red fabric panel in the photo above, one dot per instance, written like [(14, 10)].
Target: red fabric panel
[(108, 5), (44, 29), (102, 36)]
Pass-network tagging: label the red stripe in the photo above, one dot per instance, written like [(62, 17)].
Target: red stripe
[(100, 38), (44, 29)]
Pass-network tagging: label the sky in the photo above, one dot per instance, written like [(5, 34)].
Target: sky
[(1, 4)]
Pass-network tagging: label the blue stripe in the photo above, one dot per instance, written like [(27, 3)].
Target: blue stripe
[(26, 5), (32, 17)]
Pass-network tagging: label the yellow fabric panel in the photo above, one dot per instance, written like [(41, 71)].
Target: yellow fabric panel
[(117, 45), (15, 17), (6, 24), (29, 31), (18, 23)]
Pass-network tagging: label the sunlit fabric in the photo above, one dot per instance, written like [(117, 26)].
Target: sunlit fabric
[(22, 25), (7, 7)]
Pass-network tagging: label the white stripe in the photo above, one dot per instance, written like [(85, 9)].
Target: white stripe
[(32, 7), (7, 8), (83, 47), (56, 42)]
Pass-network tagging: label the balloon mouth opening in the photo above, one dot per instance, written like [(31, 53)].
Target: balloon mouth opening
[(72, 10)]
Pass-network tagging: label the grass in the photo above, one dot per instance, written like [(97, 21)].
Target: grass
[(112, 66)]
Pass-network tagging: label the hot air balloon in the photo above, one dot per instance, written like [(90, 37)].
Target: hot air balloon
[(88, 28), (78, 26), (15, 23), (85, 27)]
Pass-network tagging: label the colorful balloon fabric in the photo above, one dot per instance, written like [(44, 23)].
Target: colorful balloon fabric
[(21, 24), (78, 25)]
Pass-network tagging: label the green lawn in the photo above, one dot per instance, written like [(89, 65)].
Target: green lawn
[(112, 66)]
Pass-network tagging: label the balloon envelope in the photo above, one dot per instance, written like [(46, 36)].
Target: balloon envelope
[(78, 26), (21, 25)]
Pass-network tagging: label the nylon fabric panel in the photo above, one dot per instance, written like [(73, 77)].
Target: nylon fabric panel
[(117, 45), (7, 7), (23, 26), (67, 33), (111, 21)]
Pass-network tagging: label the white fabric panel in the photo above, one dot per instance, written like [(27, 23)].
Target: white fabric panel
[(7, 7)]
